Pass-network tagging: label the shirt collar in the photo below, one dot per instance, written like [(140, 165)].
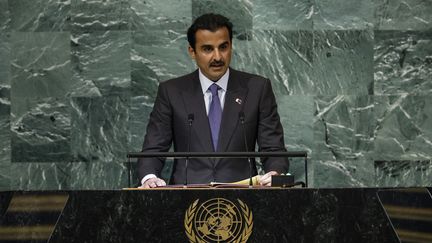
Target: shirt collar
[(205, 82)]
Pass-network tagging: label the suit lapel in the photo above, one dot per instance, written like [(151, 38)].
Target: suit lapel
[(235, 98), (194, 102)]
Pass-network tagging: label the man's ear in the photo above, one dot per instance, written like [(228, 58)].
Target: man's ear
[(191, 52)]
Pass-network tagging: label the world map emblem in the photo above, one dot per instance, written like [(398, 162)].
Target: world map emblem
[(218, 220)]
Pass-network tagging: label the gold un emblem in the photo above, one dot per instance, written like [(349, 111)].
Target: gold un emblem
[(218, 220)]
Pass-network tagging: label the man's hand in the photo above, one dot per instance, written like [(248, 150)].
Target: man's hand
[(265, 180), (153, 182)]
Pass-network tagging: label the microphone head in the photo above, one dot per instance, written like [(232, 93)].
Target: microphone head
[(190, 117)]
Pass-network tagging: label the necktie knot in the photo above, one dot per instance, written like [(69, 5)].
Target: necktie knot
[(214, 89)]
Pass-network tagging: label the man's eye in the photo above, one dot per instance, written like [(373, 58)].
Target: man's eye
[(207, 49), (223, 47)]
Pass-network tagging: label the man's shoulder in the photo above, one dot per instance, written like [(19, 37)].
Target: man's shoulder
[(180, 84), (187, 77), (248, 77)]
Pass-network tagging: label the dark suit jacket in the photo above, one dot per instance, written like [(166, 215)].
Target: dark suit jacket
[(168, 123)]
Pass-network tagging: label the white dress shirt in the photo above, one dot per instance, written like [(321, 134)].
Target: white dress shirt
[(206, 83)]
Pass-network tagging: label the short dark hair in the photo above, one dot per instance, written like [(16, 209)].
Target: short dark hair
[(209, 21)]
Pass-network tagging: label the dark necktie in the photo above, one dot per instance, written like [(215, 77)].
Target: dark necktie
[(215, 114)]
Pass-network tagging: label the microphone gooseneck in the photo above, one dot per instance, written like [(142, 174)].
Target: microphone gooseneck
[(190, 121), (242, 119)]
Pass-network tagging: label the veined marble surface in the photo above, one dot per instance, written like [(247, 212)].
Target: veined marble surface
[(403, 62), (403, 127), (283, 15), (40, 130), (4, 15), (40, 64), (402, 15), (40, 15), (101, 15), (101, 63), (5, 106), (100, 129), (78, 78), (343, 14)]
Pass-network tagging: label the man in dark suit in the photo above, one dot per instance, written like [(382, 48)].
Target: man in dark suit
[(212, 99)]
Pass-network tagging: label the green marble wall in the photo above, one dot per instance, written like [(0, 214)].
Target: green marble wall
[(78, 79)]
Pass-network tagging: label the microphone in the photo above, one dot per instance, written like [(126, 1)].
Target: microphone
[(242, 119), (190, 121)]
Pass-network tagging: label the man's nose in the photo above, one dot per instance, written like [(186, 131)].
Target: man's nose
[(217, 55)]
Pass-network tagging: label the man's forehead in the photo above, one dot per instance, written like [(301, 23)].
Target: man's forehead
[(213, 43), (217, 37)]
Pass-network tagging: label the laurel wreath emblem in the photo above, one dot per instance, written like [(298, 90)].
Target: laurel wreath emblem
[(242, 238), (189, 216), (248, 217)]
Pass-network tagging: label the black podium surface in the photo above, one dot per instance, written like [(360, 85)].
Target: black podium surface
[(212, 215)]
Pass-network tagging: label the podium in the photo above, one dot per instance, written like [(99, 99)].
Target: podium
[(206, 215)]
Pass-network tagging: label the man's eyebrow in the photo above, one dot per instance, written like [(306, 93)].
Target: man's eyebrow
[(206, 46), (225, 43)]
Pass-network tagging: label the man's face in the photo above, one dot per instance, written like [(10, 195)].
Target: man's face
[(212, 52)]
